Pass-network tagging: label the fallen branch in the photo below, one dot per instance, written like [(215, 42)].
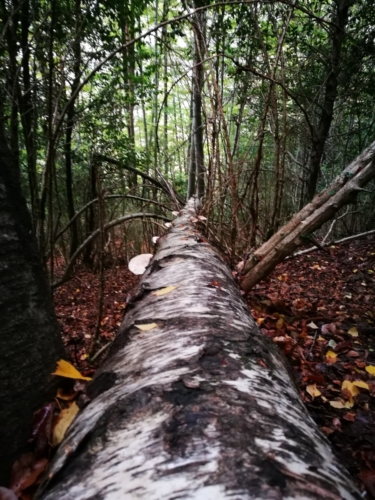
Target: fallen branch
[(334, 242)]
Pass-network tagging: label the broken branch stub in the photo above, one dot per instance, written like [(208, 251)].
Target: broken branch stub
[(201, 406)]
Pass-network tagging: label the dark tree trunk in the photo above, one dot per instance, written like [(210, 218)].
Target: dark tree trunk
[(27, 112), (30, 343), (320, 135), (70, 119), (200, 406), (88, 257), (199, 24)]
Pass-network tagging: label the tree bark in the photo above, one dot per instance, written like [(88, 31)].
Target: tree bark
[(321, 132), (202, 406), (296, 232), (70, 122), (30, 343)]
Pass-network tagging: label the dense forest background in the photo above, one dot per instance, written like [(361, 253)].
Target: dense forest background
[(116, 111)]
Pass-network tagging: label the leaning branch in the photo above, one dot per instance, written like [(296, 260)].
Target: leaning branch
[(108, 197), (145, 176), (324, 206)]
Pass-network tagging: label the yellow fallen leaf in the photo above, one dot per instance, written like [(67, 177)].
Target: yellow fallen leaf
[(146, 328), (337, 404), (361, 384), (67, 370), (313, 391), (331, 354), (340, 404), (350, 387), (370, 369), (164, 291), (260, 321), (280, 323), (65, 418), (353, 331), (321, 338)]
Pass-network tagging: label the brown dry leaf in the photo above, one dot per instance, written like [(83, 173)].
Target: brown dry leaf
[(328, 328), (313, 390), (164, 291), (67, 370), (349, 416), (148, 327), (65, 418), (352, 354), (368, 479), (25, 472), (353, 331)]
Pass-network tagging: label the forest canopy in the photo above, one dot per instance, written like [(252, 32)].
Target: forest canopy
[(119, 108)]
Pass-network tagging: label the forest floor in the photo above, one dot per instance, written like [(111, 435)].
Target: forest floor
[(319, 309)]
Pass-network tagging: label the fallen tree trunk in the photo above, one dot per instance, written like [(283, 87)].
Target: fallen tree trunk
[(340, 192), (193, 401)]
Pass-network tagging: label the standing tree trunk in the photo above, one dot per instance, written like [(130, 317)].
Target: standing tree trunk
[(199, 25), (70, 119), (196, 403), (30, 343), (320, 134)]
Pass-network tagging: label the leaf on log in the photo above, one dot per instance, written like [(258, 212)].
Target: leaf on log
[(164, 291), (67, 370), (147, 327)]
